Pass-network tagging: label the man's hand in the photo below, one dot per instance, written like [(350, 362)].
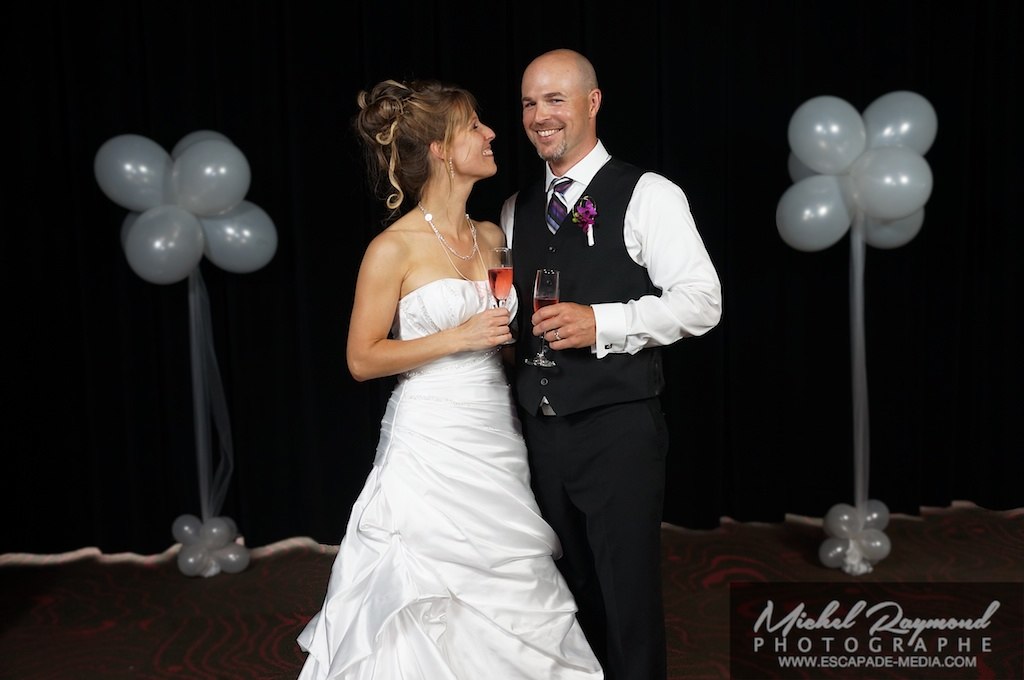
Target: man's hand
[(566, 325)]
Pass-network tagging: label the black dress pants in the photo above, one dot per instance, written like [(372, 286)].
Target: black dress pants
[(599, 479)]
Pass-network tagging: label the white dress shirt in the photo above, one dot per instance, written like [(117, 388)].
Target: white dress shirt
[(660, 235)]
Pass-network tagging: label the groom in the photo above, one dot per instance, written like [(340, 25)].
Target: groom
[(635, 275)]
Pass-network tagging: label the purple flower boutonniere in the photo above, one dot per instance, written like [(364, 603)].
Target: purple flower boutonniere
[(585, 215)]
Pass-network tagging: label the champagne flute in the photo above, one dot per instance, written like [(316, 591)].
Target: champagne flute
[(499, 274), (545, 292)]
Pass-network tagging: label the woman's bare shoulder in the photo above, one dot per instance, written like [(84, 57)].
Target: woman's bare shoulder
[(490, 234)]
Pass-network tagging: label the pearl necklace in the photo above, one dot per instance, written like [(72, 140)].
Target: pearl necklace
[(472, 229)]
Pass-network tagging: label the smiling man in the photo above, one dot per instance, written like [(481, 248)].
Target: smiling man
[(635, 276)]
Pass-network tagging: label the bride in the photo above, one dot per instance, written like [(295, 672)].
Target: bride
[(446, 570)]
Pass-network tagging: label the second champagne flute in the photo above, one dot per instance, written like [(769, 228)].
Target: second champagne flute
[(545, 292)]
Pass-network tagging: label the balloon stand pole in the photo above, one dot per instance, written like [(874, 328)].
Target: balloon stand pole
[(859, 365), (209, 545), (208, 402)]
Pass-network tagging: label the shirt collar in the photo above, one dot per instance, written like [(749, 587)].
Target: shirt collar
[(584, 170)]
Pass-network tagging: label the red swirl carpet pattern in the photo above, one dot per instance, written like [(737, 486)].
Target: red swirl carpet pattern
[(85, 615)]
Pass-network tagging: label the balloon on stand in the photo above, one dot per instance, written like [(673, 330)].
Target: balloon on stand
[(873, 544), (842, 521), (134, 172), (876, 515), (901, 119), (211, 176), (185, 529), (827, 134), (216, 533), (832, 551), (888, 234), (232, 558), (873, 182), (891, 183), (163, 238), (164, 244), (193, 137), (812, 214), (195, 560), (240, 240), (231, 527)]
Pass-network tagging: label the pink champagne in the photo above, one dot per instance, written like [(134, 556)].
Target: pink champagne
[(501, 281), (539, 302)]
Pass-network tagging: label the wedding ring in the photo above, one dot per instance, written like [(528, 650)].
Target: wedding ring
[(557, 336)]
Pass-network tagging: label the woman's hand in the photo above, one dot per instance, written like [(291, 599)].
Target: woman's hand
[(485, 330)]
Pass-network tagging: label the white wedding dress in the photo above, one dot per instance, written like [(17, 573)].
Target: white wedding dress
[(446, 570)]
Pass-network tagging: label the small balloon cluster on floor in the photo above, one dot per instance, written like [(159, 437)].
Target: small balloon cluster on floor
[(209, 547), (855, 540), (866, 175), (844, 164), (184, 204)]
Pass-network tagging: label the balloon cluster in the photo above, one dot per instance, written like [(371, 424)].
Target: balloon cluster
[(184, 204), (209, 547), (856, 539), (843, 164)]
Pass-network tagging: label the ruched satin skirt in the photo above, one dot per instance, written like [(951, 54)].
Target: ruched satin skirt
[(446, 568)]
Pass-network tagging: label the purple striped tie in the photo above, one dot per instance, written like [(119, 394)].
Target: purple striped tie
[(556, 206)]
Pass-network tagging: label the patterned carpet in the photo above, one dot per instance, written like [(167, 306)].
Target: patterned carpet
[(85, 615)]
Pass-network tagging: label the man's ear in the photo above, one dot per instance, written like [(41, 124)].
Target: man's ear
[(595, 101)]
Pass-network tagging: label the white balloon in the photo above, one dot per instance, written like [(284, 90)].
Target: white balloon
[(240, 240), (232, 527), (133, 171), (217, 532), (195, 560), (232, 558), (193, 137), (827, 134), (164, 244), (813, 213), (891, 183), (887, 234), (211, 176), (832, 551), (185, 529), (842, 521), (873, 544), (876, 515), (901, 118)]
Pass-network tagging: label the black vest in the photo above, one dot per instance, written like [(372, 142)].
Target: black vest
[(603, 272)]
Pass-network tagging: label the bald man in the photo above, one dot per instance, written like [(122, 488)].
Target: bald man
[(634, 278)]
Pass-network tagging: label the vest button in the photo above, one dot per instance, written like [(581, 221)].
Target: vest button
[(551, 249), (543, 381)]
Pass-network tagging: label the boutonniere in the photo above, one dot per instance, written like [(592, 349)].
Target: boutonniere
[(585, 215)]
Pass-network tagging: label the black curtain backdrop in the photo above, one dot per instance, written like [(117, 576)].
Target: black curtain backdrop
[(99, 447)]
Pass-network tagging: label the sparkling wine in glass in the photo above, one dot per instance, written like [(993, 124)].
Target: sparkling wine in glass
[(545, 292), (500, 274)]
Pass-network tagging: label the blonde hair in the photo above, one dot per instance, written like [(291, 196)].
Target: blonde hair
[(397, 122)]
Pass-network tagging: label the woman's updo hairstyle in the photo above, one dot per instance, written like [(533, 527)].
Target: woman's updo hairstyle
[(397, 122)]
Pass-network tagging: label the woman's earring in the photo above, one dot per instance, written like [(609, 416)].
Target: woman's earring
[(451, 169)]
